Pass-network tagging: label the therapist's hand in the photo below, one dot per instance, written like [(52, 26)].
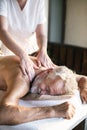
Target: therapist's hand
[(44, 60), (28, 66)]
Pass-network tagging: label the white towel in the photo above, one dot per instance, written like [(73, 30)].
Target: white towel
[(52, 123)]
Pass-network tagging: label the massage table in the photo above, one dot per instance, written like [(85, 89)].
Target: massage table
[(52, 123)]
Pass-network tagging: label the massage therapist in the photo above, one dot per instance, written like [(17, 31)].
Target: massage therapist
[(19, 21)]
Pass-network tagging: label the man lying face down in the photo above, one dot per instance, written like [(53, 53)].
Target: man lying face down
[(15, 85), (59, 81)]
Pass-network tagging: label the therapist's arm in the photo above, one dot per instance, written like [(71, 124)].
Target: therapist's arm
[(10, 43), (41, 37), (43, 58), (7, 39)]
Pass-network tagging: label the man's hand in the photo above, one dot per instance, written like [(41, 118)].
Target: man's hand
[(65, 110)]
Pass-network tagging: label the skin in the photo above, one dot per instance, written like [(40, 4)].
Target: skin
[(46, 85), (26, 63), (16, 85), (82, 83), (55, 86)]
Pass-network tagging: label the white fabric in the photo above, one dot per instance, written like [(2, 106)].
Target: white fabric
[(52, 123), (22, 23)]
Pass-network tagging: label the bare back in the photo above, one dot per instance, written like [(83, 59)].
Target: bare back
[(9, 66)]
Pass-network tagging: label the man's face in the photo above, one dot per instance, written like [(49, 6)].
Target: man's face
[(47, 83)]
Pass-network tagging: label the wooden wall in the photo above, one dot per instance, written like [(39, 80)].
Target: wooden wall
[(73, 57)]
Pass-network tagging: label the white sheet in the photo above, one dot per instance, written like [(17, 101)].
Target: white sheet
[(52, 123)]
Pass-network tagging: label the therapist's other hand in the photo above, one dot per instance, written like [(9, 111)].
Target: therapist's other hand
[(28, 66), (44, 60)]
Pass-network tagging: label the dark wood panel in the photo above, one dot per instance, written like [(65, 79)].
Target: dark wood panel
[(84, 62), (54, 53), (70, 58), (78, 59), (62, 55), (73, 57)]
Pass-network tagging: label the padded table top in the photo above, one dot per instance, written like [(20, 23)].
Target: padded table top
[(52, 123)]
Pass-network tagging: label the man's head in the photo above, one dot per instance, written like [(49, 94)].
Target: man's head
[(50, 82)]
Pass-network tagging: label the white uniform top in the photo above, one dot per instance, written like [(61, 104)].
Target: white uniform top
[(22, 23)]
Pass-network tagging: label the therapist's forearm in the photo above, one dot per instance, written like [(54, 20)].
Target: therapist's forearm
[(42, 42), (10, 43), (41, 37)]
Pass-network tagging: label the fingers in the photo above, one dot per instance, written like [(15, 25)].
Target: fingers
[(23, 67), (84, 99), (66, 110), (70, 111), (31, 74), (27, 72), (83, 95), (47, 63), (35, 66), (27, 67), (39, 63), (44, 60)]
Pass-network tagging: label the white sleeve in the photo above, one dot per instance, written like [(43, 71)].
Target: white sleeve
[(41, 12), (3, 8)]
